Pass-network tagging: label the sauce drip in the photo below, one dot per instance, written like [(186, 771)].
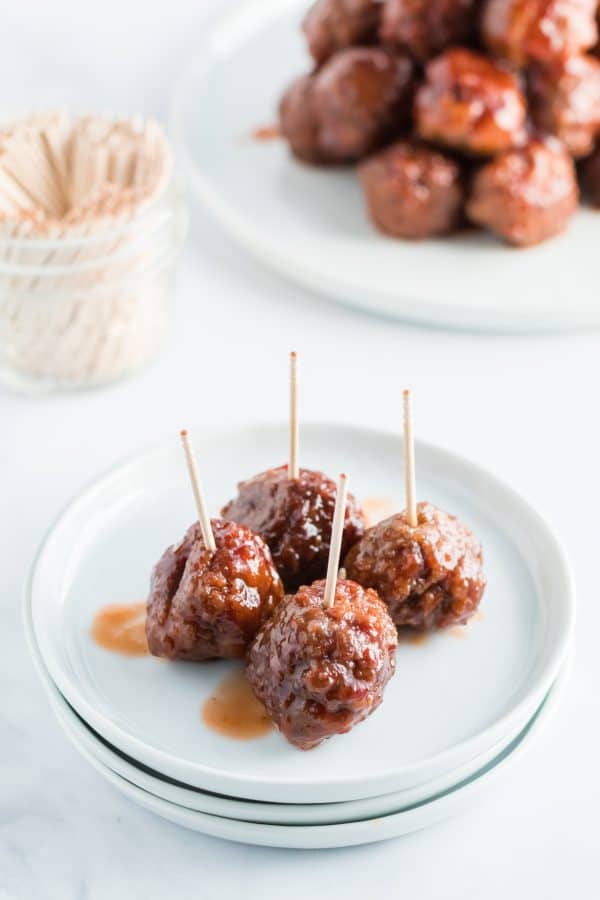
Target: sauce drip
[(266, 133), (458, 631), (376, 509), (121, 628), (413, 636), (233, 710)]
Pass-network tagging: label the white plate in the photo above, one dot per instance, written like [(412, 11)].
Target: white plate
[(346, 834), (471, 692), (310, 226)]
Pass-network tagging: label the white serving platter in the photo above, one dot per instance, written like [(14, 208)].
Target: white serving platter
[(451, 700), (309, 224)]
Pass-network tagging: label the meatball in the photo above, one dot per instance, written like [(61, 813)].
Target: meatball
[(470, 103), (425, 27), (362, 97), (590, 178), (320, 671), (526, 30), (565, 101), (332, 25), (525, 195), (412, 191), (295, 517), (430, 575), (204, 605), (297, 120)]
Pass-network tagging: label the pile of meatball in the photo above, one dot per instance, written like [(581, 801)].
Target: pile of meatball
[(319, 669), (480, 112)]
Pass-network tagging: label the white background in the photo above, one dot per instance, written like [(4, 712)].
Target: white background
[(527, 407)]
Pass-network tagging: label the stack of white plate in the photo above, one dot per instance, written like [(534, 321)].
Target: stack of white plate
[(461, 708)]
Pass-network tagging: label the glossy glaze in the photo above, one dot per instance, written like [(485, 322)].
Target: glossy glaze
[(544, 30), (362, 97), (470, 103), (294, 518), (204, 605)]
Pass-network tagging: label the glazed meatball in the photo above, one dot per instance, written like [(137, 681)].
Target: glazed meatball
[(362, 97), (204, 605), (412, 191), (526, 30), (470, 103), (298, 123), (332, 25), (430, 575), (525, 195), (295, 517), (320, 671), (424, 28), (565, 101), (590, 178)]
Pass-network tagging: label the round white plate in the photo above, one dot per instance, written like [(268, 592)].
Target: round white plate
[(310, 225), (472, 691), (364, 831)]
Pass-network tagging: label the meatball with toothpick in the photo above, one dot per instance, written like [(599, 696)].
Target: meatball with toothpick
[(294, 517), (424, 563), (321, 663), (429, 574), (211, 593), (208, 604)]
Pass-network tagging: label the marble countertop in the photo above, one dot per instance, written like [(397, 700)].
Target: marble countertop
[(527, 407)]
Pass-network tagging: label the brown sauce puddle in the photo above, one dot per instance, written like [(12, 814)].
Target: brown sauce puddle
[(121, 628), (232, 710), (410, 636), (266, 133), (376, 509)]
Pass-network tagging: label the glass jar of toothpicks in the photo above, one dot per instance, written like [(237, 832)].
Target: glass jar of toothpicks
[(90, 227)]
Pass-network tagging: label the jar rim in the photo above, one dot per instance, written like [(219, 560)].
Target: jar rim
[(162, 207)]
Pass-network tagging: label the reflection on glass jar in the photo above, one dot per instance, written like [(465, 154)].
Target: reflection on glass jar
[(79, 311)]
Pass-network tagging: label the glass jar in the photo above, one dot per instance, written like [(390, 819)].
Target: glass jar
[(81, 310)]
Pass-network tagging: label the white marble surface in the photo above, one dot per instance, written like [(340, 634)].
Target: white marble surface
[(527, 407)]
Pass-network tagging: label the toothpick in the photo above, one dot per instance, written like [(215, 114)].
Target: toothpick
[(203, 517), (293, 470), (409, 462), (335, 547)]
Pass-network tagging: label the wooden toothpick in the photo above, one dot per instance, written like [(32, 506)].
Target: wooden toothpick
[(203, 517), (293, 470), (335, 547), (409, 462)]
